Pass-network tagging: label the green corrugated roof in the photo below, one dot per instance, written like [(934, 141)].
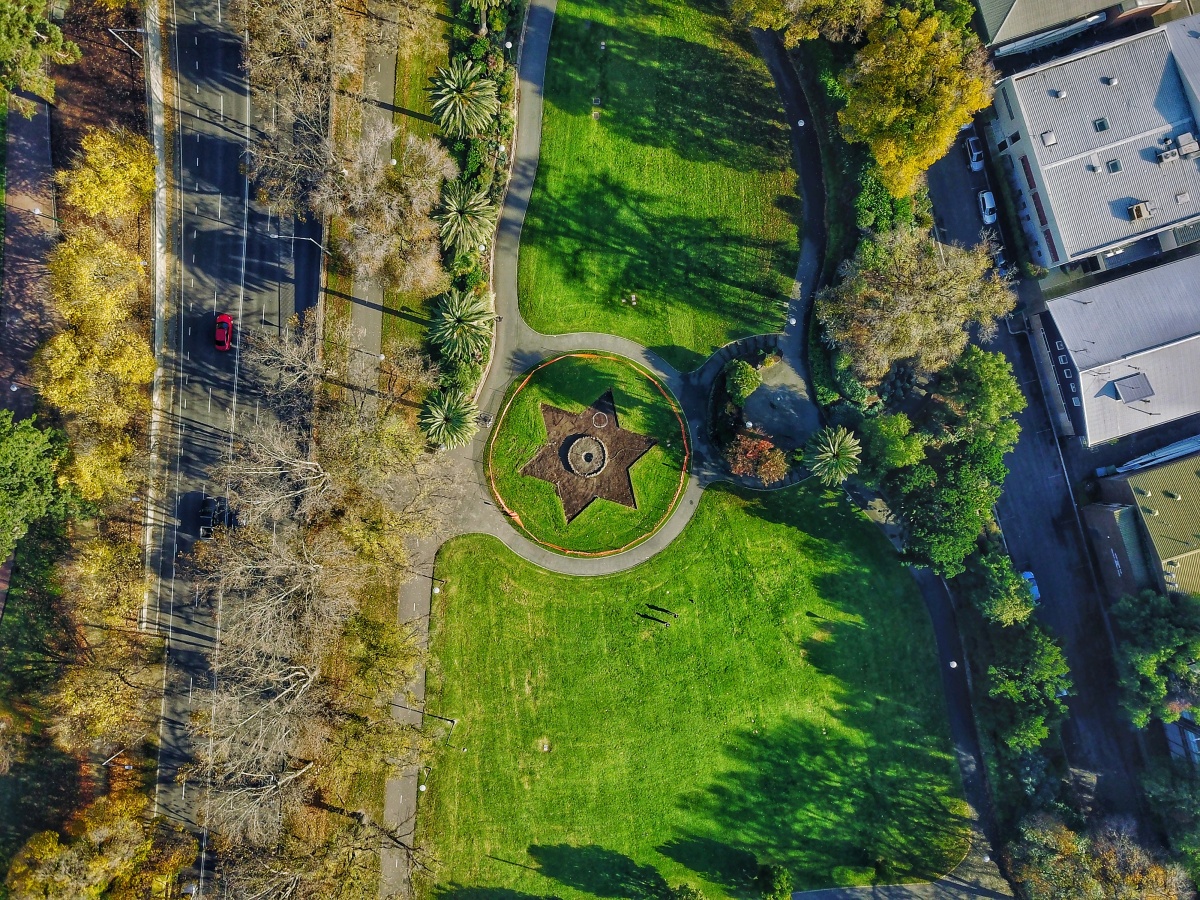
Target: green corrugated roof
[(1168, 500), (1127, 527), (1008, 20)]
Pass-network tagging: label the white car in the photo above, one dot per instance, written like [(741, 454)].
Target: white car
[(974, 154), (987, 207)]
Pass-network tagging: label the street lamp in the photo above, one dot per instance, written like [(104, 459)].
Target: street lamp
[(300, 237)]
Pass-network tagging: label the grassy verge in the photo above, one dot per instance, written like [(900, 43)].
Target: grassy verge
[(574, 383), (3, 182), (791, 713), (676, 187)]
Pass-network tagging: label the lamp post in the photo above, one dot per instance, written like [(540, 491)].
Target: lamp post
[(300, 237)]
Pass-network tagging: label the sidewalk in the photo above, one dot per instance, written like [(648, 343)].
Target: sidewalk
[(28, 238)]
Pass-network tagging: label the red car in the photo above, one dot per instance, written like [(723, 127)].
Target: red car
[(224, 333)]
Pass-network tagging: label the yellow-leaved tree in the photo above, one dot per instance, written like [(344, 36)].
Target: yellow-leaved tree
[(99, 466), (100, 381), (112, 175), (909, 90), (93, 280)]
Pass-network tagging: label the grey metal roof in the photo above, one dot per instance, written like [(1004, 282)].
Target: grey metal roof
[(1134, 86), (1132, 334), (1007, 20)]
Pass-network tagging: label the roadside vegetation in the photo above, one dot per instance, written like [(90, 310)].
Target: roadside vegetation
[(664, 209), (297, 739), (790, 716)]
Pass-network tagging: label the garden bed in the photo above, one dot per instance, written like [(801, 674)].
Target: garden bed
[(637, 470)]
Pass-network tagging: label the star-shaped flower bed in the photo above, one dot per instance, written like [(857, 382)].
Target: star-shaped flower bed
[(587, 455), (582, 427)]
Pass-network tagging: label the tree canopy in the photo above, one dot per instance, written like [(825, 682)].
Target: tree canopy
[(1159, 647), (29, 43), (29, 459), (995, 588), (908, 91), (979, 392), (1026, 680), (112, 176), (902, 297), (889, 443), (803, 20)]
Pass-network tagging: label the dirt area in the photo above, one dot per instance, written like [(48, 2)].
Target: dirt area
[(588, 455)]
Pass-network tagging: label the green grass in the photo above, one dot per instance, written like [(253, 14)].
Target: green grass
[(574, 383), (413, 72), (792, 713), (681, 193)]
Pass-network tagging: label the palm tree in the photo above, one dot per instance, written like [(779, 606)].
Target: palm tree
[(448, 419), (832, 455), (464, 98), (483, 6), (467, 217), (461, 326)]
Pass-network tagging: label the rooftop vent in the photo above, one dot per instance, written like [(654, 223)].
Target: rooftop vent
[(1188, 144), (1134, 388), (1048, 139), (1150, 511), (1058, 94), (1140, 211), (1183, 197), (1166, 156), (1172, 495), (1111, 80)]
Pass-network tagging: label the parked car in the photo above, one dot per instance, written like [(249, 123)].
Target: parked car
[(987, 207), (214, 513), (1033, 587), (974, 154), (1001, 263), (223, 337)]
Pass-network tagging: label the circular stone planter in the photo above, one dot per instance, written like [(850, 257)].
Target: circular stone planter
[(589, 454)]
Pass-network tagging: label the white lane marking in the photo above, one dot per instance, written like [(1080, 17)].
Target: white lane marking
[(222, 96), (218, 206), (210, 399), (237, 359)]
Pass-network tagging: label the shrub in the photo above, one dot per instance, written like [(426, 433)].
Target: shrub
[(741, 380), (775, 881), (848, 384), (479, 48), (754, 456)]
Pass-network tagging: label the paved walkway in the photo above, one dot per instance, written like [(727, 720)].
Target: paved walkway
[(517, 347)]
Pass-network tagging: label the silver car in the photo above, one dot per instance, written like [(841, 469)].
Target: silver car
[(974, 154), (987, 207)]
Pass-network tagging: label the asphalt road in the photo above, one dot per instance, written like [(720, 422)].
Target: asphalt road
[(1038, 519), (225, 262)]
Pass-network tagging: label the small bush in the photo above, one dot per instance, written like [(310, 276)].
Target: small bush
[(751, 455), (479, 48), (461, 35), (775, 882), (497, 19), (741, 380), (848, 384)]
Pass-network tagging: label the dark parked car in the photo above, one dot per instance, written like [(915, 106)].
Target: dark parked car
[(214, 513)]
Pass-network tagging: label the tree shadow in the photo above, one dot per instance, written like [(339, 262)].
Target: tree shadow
[(456, 891), (715, 861), (703, 102), (603, 873), (612, 239)]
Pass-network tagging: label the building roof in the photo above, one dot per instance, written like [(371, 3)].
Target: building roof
[(1008, 20), (1135, 346), (1168, 501), (1097, 122)]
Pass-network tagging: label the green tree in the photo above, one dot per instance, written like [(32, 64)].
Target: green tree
[(112, 176), (947, 500), (903, 297), (461, 326), (464, 99), (448, 419), (909, 90), (832, 455), (803, 20), (889, 443), (996, 589), (980, 391), (1026, 679), (482, 7), (1157, 655), (29, 460), (467, 217), (1052, 862), (29, 44), (741, 380)]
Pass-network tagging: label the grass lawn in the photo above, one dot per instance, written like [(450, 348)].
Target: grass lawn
[(792, 713), (681, 192), (574, 383)]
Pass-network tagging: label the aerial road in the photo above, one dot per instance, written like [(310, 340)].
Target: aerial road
[(236, 267)]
